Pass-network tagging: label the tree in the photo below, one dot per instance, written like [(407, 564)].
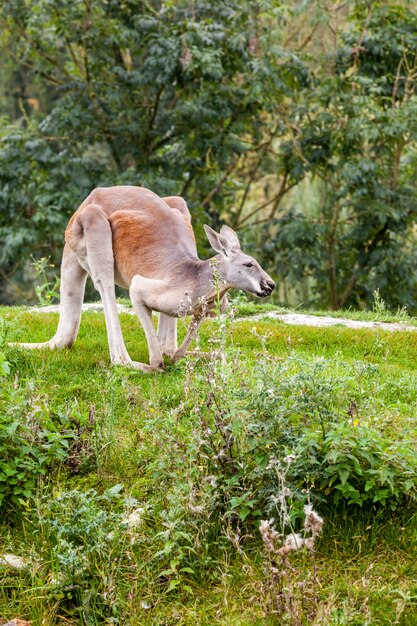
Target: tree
[(169, 95), (356, 141)]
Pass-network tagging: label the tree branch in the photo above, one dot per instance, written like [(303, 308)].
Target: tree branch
[(275, 201), (101, 116)]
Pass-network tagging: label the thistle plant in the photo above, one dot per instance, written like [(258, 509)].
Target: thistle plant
[(292, 600)]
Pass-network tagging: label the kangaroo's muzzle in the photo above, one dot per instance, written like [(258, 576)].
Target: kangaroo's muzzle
[(267, 287)]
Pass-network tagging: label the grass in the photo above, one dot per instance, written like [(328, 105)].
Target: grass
[(144, 431)]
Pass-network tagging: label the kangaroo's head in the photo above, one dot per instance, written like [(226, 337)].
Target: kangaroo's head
[(236, 268)]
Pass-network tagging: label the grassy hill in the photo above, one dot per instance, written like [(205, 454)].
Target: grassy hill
[(137, 499)]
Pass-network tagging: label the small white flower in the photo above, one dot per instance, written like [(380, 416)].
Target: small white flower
[(212, 481), (273, 461), (289, 459)]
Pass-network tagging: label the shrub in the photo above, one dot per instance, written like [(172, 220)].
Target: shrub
[(357, 463), (31, 442), (251, 443), (84, 541)]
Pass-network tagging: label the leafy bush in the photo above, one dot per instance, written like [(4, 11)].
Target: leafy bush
[(83, 538), (357, 463), (259, 442), (314, 412), (31, 441)]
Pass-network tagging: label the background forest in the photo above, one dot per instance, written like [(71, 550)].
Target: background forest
[(293, 122)]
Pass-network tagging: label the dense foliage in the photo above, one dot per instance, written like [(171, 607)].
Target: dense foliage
[(293, 122)]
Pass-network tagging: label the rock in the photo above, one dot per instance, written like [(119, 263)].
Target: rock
[(13, 561)]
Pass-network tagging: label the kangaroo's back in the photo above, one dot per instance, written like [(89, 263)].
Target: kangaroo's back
[(128, 198), (151, 243)]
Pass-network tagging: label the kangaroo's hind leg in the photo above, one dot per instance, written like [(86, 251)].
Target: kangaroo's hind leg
[(73, 278), (90, 236)]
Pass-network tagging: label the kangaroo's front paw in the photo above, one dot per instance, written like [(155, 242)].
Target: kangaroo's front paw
[(153, 367), (136, 365)]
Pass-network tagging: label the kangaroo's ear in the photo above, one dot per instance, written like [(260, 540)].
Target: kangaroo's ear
[(230, 235), (218, 242)]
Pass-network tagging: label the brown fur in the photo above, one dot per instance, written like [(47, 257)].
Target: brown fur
[(130, 198), (136, 238)]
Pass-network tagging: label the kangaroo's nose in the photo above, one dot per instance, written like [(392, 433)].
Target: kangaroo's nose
[(268, 287)]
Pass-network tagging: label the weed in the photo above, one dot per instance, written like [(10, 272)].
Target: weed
[(382, 313), (31, 441), (83, 543), (47, 291), (291, 600)]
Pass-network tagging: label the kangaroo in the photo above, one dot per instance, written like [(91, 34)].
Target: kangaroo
[(132, 237)]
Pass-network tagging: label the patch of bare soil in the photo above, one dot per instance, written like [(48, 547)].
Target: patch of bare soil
[(297, 319)]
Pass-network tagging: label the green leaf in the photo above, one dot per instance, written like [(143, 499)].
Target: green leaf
[(173, 584)]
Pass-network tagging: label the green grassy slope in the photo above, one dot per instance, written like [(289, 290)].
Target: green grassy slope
[(195, 447)]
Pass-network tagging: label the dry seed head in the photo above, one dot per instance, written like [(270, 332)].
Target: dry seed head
[(309, 543), (312, 521), (135, 518), (294, 541), (269, 534)]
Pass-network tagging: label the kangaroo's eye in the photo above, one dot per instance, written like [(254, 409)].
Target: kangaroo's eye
[(248, 264)]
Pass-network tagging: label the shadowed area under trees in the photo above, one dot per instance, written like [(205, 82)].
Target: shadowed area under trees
[(293, 122)]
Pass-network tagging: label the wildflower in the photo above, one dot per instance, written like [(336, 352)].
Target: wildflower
[(212, 481), (273, 461), (312, 521), (290, 458)]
